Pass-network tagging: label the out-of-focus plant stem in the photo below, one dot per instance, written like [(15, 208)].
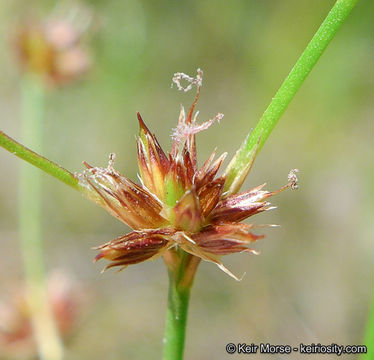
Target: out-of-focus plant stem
[(181, 269), (30, 224), (289, 88)]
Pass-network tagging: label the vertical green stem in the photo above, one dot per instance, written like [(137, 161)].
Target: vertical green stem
[(176, 320), (289, 88), (181, 269), (30, 224)]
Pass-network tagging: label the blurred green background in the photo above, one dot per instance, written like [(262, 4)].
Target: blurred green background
[(315, 276)]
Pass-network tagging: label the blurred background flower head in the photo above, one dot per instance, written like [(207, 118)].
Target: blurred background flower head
[(66, 301), (53, 47)]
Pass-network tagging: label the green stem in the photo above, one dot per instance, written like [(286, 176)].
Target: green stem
[(30, 225), (180, 283), (176, 320), (37, 160), (369, 335), (289, 88)]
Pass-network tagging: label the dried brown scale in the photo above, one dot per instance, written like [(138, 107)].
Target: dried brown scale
[(211, 171), (237, 213), (199, 176), (177, 203), (123, 263), (209, 195)]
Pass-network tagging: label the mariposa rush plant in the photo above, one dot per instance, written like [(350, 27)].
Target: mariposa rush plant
[(180, 210)]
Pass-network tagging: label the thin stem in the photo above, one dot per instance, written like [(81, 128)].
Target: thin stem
[(176, 320), (289, 88), (37, 160), (181, 277), (30, 225), (369, 334)]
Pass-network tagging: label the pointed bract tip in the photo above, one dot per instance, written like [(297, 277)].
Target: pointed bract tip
[(98, 257), (242, 277), (252, 251), (87, 165), (141, 121)]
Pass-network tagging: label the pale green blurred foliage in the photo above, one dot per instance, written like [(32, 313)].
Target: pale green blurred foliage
[(314, 278)]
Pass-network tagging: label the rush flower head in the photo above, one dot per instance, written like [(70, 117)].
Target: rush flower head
[(53, 49), (65, 299), (178, 205)]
